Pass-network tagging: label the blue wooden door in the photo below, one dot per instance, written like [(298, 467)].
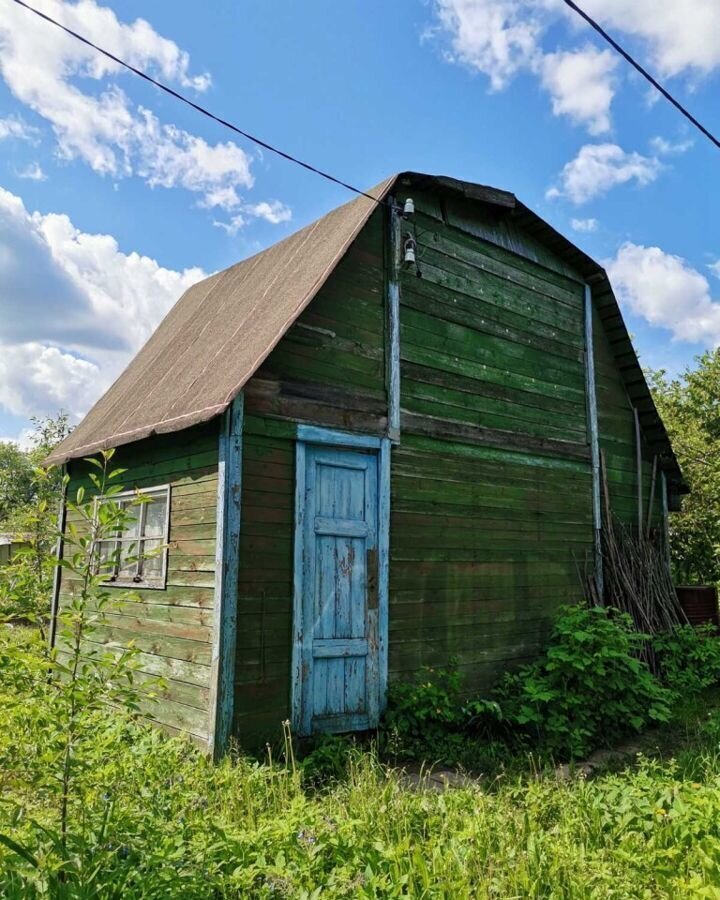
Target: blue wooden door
[(340, 687)]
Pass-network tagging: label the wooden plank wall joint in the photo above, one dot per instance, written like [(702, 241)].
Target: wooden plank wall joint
[(639, 470), (227, 552), (296, 679), (665, 515), (593, 439), (383, 566), (394, 226)]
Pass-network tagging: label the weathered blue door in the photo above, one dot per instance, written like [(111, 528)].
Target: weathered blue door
[(339, 685)]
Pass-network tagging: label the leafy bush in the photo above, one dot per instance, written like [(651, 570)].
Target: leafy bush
[(327, 760), (425, 719), (688, 658), (588, 688)]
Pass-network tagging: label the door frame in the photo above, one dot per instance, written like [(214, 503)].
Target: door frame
[(316, 436)]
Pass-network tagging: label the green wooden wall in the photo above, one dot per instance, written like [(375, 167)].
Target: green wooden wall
[(328, 370), (491, 488), (616, 424), (172, 627)]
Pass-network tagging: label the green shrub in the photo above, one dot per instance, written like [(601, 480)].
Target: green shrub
[(688, 658), (327, 761), (587, 689), (425, 719)]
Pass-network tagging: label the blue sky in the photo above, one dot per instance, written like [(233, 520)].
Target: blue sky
[(114, 197)]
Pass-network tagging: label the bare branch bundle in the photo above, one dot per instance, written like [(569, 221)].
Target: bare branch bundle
[(636, 575)]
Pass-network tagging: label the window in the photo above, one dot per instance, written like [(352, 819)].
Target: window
[(137, 556)]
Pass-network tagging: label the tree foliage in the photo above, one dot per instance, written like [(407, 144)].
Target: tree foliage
[(690, 408), (29, 501)]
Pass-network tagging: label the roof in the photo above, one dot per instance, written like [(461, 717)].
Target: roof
[(222, 328)]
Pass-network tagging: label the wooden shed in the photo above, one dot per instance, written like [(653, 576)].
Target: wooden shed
[(373, 447)]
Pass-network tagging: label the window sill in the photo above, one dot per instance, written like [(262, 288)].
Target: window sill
[(134, 585)]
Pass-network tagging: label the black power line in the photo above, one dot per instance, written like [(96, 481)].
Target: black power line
[(636, 65), (196, 106)]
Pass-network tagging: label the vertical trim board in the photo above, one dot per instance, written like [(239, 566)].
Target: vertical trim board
[(665, 514), (298, 567), (227, 558), (393, 303), (593, 438), (383, 565)]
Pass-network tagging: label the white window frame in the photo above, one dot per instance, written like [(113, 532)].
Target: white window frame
[(161, 583)]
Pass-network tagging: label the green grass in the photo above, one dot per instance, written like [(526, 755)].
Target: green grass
[(152, 818)]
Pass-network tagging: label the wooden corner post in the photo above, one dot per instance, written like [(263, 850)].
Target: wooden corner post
[(392, 282), (227, 558), (593, 439)]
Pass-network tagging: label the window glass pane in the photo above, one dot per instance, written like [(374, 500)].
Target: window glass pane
[(106, 564), (132, 520), (128, 560), (155, 515), (152, 560)]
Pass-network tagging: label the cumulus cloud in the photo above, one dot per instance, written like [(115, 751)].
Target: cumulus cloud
[(599, 167), (36, 378), (667, 292), (495, 37), (73, 309), (59, 79), (581, 85), (681, 36), (715, 268), (502, 38), (584, 225), (273, 211)]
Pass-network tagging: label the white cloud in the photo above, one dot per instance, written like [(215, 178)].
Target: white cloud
[(581, 85), (502, 38), (33, 172), (664, 147), (16, 127), (715, 268), (56, 76), (667, 292), (37, 378), (496, 37), (584, 225), (599, 167), (681, 36), (73, 309), (273, 211)]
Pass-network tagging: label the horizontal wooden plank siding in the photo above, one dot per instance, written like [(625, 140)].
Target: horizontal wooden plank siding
[(328, 370), (262, 666), (171, 627), (491, 510)]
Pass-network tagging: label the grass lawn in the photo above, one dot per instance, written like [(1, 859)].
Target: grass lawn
[(151, 818)]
